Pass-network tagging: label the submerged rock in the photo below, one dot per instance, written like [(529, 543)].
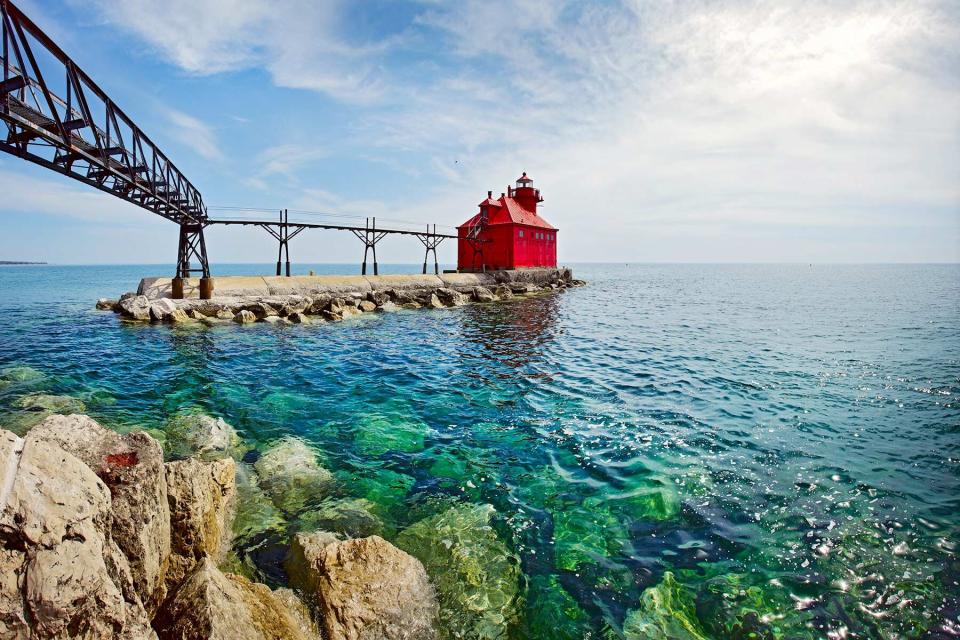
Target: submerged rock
[(666, 612), (131, 466), (290, 474), (366, 589), (549, 606), (201, 496), (193, 433), (61, 574), (584, 534), (351, 517), (51, 403), (377, 434), (12, 375), (217, 606), (255, 515), (477, 577)]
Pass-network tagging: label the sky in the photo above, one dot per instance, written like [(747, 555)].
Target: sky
[(813, 131)]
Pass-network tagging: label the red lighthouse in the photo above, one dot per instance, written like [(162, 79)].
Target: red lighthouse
[(507, 233)]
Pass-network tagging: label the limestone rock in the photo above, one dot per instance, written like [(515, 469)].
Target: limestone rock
[(255, 516), (379, 298), (366, 306), (57, 560), (387, 307), (290, 474), (161, 309), (135, 308), (106, 304), (434, 302), (351, 517), (131, 466), (196, 314), (190, 432), (244, 317), (215, 606), (304, 552), (50, 403), (225, 314), (298, 318), (178, 316), (298, 611), (367, 589), (477, 577), (201, 496), (482, 294), (503, 292), (451, 297)]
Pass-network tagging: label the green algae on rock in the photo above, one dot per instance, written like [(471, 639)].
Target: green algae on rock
[(255, 514), (666, 612), (290, 474), (582, 533), (383, 487), (550, 609), (51, 403), (352, 517), (191, 432), (379, 434), (13, 375), (476, 575)]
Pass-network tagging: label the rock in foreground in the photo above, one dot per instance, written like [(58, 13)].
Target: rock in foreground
[(61, 573), (365, 588), (210, 604)]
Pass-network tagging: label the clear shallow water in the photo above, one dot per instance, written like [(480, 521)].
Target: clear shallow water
[(771, 450)]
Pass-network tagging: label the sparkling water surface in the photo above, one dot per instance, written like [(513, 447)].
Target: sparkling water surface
[(671, 451)]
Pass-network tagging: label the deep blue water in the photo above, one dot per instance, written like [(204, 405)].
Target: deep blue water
[(784, 440)]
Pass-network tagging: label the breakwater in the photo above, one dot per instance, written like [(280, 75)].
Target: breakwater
[(299, 299)]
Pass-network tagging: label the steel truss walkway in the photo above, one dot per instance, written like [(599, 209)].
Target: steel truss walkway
[(57, 117)]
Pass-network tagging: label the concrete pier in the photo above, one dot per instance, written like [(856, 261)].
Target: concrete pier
[(254, 286), (301, 299)]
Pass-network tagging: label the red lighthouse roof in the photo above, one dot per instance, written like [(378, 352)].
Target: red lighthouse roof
[(524, 178)]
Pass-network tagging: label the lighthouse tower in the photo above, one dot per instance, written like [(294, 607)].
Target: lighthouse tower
[(507, 232)]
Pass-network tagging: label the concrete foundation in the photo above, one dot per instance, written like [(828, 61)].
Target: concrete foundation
[(259, 286)]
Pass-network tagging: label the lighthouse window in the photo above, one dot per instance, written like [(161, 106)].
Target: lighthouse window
[(520, 233)]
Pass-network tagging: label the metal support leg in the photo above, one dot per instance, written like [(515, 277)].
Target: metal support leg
[(192, 246)]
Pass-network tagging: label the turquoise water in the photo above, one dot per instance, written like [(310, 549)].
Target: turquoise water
[(671, 451)]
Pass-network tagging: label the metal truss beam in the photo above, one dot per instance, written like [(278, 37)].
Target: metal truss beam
[(55, 116)]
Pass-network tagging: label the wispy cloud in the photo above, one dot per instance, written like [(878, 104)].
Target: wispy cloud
[(194, 134), (673, 118)]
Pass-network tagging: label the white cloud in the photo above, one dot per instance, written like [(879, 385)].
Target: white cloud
[(24, 193), (194, 134), (672, 120)]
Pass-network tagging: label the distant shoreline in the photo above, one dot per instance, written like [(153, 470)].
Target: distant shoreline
[(12, 262)]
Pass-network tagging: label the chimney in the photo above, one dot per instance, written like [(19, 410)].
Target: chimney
[(489, 194), (502, 195)]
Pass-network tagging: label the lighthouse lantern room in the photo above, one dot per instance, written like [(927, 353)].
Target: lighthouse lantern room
[(507, 232)]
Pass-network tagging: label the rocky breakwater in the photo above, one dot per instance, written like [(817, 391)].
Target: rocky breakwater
[(100, 538), (305, 299)]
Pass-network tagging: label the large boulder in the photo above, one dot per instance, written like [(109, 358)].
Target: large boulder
[(161, 309), (135, 308), (351, 517), (290, 474), (50, 403), (131, 466), (217, 606), (477, 577), (61, 575), (451, 297), (482, 294), (367, 589), (244, 316), (201, 496)]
